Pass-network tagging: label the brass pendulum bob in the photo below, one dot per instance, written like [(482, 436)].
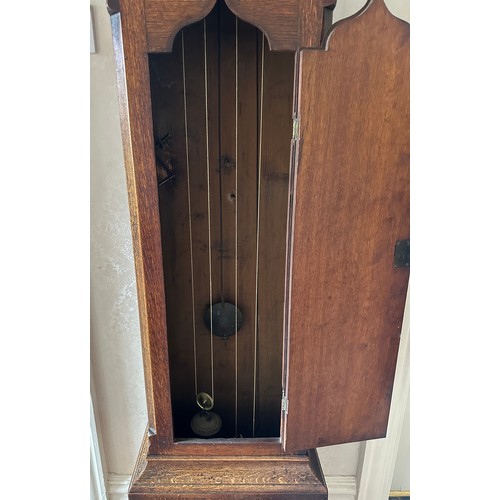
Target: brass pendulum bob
[(205, 423), (223, 319)]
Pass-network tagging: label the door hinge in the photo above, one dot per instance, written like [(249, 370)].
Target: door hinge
[(284, 405), (295, 128)]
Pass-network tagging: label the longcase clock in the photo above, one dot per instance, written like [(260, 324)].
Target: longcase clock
[(267, 158)]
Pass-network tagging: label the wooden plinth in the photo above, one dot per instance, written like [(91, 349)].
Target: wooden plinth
[(246, 477)]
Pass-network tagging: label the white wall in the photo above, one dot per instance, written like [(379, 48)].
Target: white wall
[(115, 338), (345, 8), (401, 478)]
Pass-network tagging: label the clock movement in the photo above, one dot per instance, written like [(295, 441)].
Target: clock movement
[(267, 158)]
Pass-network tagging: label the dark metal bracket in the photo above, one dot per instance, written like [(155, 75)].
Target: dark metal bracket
[(402, 254)]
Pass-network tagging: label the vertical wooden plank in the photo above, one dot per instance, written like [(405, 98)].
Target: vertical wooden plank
[(227, 150), (196, 119), (167, 92), (222, 63), (276, 138), (247, 195)]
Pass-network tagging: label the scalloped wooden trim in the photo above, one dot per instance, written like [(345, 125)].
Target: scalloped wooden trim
[(368, 4), (334, 26), (165, 18), (287, 24), (278, 20)]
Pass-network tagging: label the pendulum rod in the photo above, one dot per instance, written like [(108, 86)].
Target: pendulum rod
[(189, 213), (258, 234), (208, 210), (236, 238)]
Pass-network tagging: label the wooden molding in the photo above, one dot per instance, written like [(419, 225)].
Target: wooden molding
[(339, 487), (250, 477), (245, 474)]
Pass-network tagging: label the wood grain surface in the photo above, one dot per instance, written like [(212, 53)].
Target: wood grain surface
[(288, 24), (351, 206), (165, 18), (276, 138), (129, 40), (293, 477)]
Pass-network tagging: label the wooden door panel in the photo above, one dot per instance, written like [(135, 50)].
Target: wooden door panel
[(351, 205)]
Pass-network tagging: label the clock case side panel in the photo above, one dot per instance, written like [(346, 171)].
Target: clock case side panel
[(351, 205), (129, 40)]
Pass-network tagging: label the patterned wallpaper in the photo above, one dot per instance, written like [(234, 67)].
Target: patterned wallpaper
[(115, 336)]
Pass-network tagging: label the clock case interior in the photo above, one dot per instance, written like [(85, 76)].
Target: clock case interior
[(222, 106)]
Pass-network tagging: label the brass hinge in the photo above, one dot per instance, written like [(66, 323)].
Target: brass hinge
[(284, 405), (295, 128)]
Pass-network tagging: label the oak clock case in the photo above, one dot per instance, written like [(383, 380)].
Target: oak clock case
[(267, 158)]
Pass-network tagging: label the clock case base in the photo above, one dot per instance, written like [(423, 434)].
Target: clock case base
[(229, 477), (162, 477)]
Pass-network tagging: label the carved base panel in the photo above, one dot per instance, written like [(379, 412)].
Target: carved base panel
[(290, 477)]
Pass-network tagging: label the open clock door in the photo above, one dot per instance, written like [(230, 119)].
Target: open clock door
[(351, 206)]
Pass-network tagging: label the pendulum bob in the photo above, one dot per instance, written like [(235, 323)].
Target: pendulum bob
[(205, 423), (223, 319)]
